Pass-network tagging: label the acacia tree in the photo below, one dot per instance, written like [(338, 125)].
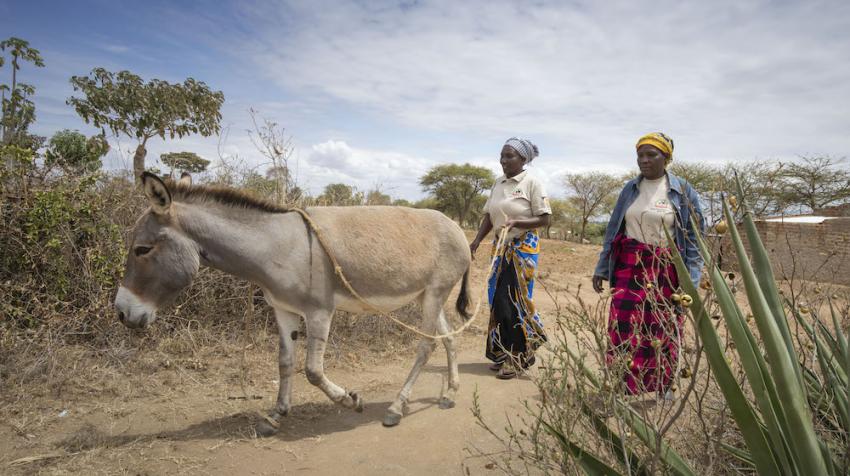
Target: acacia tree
[(18, 111), (456, 187), (816, 182), (762, 183), (184, 162), (377, 197), (125, 104), (590, 192), (340, 194)]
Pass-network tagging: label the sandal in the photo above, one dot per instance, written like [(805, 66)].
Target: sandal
[(506, 373), (496, 366)]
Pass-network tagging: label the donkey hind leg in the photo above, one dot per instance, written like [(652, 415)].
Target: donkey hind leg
[(431, 310), (447, 399), (318, 327), (287, 326)]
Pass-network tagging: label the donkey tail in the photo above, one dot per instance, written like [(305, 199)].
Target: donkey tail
[(462, 304)]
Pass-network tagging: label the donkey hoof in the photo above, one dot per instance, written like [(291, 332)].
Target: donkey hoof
[(391, 419), (357, 402), (265, 429), (445, 403)]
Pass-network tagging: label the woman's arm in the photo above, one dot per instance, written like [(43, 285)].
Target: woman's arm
[(483, 229), (600, 273), (529, 223), (693, 258)]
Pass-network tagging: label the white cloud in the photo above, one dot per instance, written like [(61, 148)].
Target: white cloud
[(726, 79), (394, 173), (377, 93)]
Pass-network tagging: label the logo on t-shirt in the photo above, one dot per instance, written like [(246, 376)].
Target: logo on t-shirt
[(663, 204), (516, 193)]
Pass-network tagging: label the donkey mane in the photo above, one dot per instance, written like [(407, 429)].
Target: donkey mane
[(182, 192)]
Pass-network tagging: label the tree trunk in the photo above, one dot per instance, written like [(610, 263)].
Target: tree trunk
[(581, 234), (139, 162)]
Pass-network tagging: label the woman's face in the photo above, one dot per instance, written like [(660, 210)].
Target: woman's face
[(511, 161), (651, 161)]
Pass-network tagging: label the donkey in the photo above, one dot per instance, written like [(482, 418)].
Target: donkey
[(391, 256)]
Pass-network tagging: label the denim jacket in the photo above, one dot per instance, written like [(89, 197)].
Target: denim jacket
[(683, 198)]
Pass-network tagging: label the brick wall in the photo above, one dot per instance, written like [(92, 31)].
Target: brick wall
[(842, 210), (817, 252)]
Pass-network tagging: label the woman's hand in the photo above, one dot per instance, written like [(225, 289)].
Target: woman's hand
[(473, 247), (597, 283), (483, 229)]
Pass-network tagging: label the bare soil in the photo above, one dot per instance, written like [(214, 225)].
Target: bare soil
[(145, 410)]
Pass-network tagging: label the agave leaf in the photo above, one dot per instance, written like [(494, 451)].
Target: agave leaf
[(845, 362), (739, 453), (676, 464), (762, 385), (766, 279), (783, 363), (826, 345), (842, 341), (827, 456), (588, 462), (674, 461), (831, 341), (834, 386), (621, 451), (749, 424)]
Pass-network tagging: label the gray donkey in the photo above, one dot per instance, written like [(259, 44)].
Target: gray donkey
[(391, 255)]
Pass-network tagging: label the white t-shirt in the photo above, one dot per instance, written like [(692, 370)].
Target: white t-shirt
[(521, 196), (650, 213)]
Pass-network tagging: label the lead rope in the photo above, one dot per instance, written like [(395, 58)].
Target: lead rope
[(338, 271)]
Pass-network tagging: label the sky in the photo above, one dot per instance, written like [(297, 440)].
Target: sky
[(374, 94)]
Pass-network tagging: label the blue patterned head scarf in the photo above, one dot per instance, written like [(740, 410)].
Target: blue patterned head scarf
[(524, 147)]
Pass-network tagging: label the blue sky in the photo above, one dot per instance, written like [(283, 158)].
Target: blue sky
[(376, 93)]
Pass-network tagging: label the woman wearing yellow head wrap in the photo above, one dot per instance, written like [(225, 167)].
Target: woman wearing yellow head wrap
[(645, 325), (660, 142)]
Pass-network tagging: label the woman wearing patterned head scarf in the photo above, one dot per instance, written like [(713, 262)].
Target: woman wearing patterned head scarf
[(517, 203), (645, 325)]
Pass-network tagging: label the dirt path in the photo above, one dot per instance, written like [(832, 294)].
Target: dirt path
[(193, 417), (197, 432)]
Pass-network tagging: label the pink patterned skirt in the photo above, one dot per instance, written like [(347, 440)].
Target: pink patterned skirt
[(645, 326)]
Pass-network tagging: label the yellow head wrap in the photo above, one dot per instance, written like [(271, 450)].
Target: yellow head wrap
[(660, 142)]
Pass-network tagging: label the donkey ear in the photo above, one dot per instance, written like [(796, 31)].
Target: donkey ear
[(185, 179), (157, 193)]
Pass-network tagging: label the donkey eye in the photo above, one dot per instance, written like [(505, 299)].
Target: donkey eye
[(142, 250)]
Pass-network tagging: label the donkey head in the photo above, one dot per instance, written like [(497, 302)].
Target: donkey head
[(161, 260)]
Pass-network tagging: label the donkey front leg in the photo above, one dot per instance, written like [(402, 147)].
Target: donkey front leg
[(287, 326), (318, 327)]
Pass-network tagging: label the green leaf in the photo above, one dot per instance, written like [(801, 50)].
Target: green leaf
[(748, 423), (761, 384), (588, 462), (644, 432), (783, 361), (621, 451)]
